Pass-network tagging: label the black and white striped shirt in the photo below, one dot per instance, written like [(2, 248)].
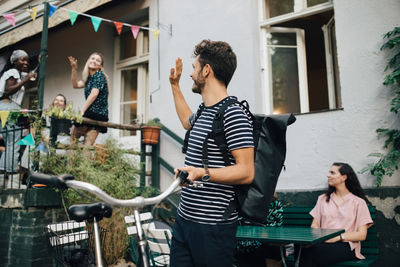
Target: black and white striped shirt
[(207, 202)]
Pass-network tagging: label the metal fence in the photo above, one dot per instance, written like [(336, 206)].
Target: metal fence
[(15, 159)]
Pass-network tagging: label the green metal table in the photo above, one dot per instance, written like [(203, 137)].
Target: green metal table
[(302, 236)]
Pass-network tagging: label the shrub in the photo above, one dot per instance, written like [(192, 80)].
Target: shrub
[(116, 175)]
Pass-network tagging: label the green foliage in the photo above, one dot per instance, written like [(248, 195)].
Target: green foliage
[(387, 163), (154, 122), (111, 170), (68, 113)]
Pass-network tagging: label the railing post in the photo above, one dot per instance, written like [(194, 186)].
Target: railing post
[(155, 165), (142, 164)]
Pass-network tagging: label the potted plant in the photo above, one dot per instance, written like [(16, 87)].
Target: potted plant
[(151, 131)]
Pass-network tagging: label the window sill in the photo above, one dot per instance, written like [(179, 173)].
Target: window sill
[(318, 111)]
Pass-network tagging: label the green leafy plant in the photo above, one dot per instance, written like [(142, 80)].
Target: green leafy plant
[(388, 162), (67, 113), (115, 173), (153, 122)]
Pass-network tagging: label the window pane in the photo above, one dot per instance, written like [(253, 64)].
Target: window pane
[(280, 38), (129, 110), (315, 2), (128, 45), (278, 7), (285, 81)]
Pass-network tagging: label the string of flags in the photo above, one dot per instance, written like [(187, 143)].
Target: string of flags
[(96, 21)]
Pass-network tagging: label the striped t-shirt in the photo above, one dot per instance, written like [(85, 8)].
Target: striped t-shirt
[(207, 202)]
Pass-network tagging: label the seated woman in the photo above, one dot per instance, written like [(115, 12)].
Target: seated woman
[(59, 128), (343, 206)]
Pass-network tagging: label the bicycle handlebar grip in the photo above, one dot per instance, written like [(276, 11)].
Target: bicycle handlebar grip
[(183, 176), (51, 180)]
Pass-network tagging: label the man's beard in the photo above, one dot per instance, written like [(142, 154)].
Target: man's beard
[(198, 85)]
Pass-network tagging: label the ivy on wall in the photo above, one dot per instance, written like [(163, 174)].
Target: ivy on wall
[(388, 162)]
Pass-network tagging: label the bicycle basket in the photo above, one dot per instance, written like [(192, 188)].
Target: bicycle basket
[(71, 244)]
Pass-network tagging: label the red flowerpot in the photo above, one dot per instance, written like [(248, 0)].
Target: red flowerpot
[(150, 134)]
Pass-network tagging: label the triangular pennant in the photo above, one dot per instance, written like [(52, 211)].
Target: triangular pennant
[(155, 33), (96, 23), (52, 9), (4, 116), (10, 17), (72, 16), (135, 30), (27, 141), (33, 12), (118, 26)]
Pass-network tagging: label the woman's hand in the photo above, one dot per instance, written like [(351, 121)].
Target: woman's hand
[(73, 62), (31, 75), (333, 239)]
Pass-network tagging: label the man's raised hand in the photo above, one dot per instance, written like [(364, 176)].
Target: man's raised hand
[(176, 72)]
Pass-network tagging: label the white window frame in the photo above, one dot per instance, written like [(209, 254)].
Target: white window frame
[(327, 30), (301, 66), (266, 25), (137, 62)]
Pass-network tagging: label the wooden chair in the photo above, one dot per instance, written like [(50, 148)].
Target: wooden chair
[(146, 219), (159, 241)]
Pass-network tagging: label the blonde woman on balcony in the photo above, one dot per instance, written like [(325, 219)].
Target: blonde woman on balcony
[(95, 84)]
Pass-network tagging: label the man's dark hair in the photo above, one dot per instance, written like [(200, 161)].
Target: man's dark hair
[(220, 56)]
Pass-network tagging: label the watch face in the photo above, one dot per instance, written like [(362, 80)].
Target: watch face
[(205, 178)]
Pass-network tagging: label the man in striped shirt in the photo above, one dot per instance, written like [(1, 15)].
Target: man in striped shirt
[(203, 236)]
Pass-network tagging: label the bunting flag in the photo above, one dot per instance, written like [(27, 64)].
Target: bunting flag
[(52, 9), (72, 16), (27, 141), (118, 26), (135, 30), (96, 23), (4, 116), (155, 33), (10, 17), (33, 12)]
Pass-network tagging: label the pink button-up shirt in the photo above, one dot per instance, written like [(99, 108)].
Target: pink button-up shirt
[(349, 215)]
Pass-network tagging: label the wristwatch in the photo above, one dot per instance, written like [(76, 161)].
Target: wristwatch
[(206, 176)]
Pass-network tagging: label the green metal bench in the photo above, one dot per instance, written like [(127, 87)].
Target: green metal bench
[(299, 216)]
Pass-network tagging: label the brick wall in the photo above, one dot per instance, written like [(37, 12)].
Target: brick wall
[(23, 215)]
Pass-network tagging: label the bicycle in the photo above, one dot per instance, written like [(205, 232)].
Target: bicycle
[(95, 212)]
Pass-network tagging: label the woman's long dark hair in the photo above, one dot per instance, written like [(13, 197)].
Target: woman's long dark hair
[(352, 183)]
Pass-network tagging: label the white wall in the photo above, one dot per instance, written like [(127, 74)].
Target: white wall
[(317, 140), (233, 21)]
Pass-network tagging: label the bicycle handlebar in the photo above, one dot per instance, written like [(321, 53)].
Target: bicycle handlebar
[(67, 181)]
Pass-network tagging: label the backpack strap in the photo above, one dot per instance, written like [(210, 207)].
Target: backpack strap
[(217, 133), (187, 134)]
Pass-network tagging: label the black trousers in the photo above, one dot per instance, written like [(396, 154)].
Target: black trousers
[(325, 254), (195, 244)]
